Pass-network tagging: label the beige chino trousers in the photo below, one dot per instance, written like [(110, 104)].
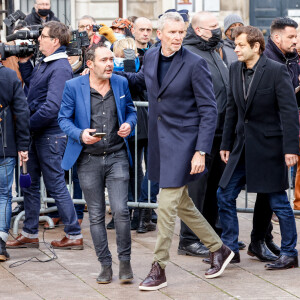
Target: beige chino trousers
[(176, 202)]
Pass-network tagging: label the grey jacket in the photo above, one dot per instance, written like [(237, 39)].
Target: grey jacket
[(229, 54), (219, 73)]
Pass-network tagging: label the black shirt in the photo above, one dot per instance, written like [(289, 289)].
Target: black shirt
[(104, 118), (247, 77)]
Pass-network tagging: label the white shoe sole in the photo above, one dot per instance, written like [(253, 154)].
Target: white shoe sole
[(227, 261), (152, 288)]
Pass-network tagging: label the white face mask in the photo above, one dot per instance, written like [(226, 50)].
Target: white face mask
[(23, 42), (119, 61), (119, 36)]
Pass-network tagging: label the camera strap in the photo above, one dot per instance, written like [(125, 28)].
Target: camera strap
[(3, 114)]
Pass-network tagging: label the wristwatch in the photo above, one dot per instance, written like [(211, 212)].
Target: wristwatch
[(201, 153)]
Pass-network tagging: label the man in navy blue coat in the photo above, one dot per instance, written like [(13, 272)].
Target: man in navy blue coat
[(46, 83), (182, 122)]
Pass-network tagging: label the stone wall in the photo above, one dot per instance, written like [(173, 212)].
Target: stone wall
[(106, 11)]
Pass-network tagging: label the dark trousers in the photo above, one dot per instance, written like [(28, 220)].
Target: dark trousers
[(262, 226), (278, 201), (77, 194), (204, 193), (112, 171), (45, 156)]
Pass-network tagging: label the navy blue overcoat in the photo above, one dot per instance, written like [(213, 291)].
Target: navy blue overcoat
[(182, 114)]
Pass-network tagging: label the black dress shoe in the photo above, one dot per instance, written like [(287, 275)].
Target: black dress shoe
[(242, 245), (19, 208), (195, 249), (236, 259), (283, 262), (273, 247), (261, 251)]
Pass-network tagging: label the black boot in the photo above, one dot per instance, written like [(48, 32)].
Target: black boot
[(105, 275), (134, 223), (19, 208), (273, 247), (125, 271), (111, 224), (145, 223), (261, 251), (3, 253)]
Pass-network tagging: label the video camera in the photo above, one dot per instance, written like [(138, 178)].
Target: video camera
[(79, 41)]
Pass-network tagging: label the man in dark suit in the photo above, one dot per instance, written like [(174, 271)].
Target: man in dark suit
[(260, 140), (182, 122)]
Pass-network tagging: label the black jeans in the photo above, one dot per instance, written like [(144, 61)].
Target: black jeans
[(112, 171), (204, 193)]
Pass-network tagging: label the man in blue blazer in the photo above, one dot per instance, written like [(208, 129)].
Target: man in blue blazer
[(182, 122), (94, 104)]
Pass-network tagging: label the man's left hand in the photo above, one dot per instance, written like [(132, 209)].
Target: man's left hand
[(291, 159), (198, 163), (124, 130), (23, 156)]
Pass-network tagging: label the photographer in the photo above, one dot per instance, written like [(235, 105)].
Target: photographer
[(14, 140), (46, 83)]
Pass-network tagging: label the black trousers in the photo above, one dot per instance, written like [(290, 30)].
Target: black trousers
[(204, 193), (262, 226)]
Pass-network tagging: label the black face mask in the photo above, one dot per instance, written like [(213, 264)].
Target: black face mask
[(44, 12), (216, 37)]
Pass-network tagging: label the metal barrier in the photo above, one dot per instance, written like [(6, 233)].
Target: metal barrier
[(134, 204)]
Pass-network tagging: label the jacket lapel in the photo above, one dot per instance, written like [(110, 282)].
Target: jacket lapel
[(256, 79), (154, 64), (175, 67), (240, 86), (115, 88), (86, 92)]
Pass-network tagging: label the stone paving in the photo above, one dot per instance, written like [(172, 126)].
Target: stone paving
[(73, 274)]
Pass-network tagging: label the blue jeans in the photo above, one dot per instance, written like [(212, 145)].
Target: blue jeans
[(228, 215), (77, 194), (7, 166), (112, 171), (45, 156)]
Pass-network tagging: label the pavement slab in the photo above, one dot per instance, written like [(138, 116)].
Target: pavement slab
[(73, 274)]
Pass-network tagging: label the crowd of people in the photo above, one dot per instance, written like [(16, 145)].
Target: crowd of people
[(223, 113)]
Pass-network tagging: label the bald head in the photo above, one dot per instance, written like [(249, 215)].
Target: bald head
[(203, 23), (142, 31)]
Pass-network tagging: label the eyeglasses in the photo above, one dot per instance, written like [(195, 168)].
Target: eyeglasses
[(45, 36), (84, 26)]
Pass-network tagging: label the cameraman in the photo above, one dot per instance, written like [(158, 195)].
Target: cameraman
[(46, 83), (14, 140), (41, 13)]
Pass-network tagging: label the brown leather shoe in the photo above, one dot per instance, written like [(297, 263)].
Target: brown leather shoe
[(68, 244), (219, 260), (55, 222), (23, 242), (156, 279)]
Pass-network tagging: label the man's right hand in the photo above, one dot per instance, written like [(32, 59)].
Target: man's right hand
[(87, 138), (224, 155), (23, 60)]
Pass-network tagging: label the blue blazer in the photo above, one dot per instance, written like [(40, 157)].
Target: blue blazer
[(75, 113), (182, 114)]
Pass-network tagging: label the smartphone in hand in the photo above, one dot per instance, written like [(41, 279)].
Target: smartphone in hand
[(99, 134)]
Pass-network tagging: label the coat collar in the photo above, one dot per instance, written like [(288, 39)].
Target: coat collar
[(175, 67)]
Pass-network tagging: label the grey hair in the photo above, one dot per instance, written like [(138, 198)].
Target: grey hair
[(86, 17), (169, 16)]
